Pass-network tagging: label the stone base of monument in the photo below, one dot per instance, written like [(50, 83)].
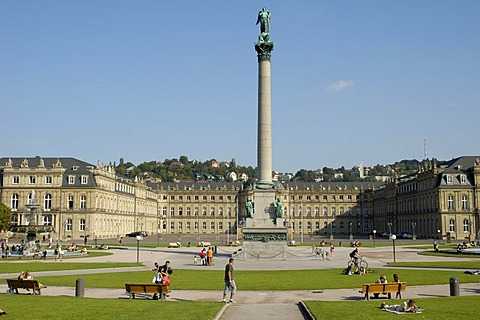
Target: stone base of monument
[(264, 243)]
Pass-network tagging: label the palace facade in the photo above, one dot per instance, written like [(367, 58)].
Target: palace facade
[(77, 199)]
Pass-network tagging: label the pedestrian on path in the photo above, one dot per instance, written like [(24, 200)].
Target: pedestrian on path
[(229, 282), (332, 249)]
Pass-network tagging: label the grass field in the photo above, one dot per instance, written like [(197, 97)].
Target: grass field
[(263, 280), (439, 264), (23, 307), (9, 266), (458, 308)]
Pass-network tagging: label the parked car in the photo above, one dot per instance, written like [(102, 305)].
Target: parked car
[(407, 235), (137, 233), (385, 234)]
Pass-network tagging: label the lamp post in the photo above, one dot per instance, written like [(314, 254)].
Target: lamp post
[(389, 230), (236, 214), (350, 229), (138, 247), (301, 216), (414, 237), (394, 237), (331, 230), (374, 233)]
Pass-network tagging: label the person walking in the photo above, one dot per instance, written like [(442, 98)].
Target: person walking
[(229, 282)]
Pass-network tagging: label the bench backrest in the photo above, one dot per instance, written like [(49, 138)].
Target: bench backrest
[(145, 288), (384, 287), (25, 284)]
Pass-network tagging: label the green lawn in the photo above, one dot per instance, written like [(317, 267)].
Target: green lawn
[(447, 253), (263, 280), (20, 307), (464, 265), (458, 308), (9, 266)]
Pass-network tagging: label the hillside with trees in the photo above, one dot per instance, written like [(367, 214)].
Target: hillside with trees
[(183, 169)]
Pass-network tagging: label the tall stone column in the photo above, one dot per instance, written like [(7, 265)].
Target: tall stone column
[(264, 234), (264, 48)]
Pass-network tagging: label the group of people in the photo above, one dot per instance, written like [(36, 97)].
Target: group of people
[(162, 275), (206, 257), (383, 279)]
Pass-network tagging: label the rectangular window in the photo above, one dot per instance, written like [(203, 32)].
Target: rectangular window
[(32, 179), (195, 211), (212, 198), (83, 202), (82, 225), (449, 179), (71, 179), (204, 198), (164, 211), (15, 179), (341, 197), (70, 202), (212, 211), (196, 198), (172, 198), (48, 179), (349, 197), (220, 198), (68, 226), (172, 211), (84, 179), (180, 211), (189, 211), (463, 179), (333, 211), (464, 202), (325, 197), (47, 220), (180, 198), (450, 202), (333, 197)]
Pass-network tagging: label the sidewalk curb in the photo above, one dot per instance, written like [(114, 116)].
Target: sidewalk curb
[(221, 312), (305, 311)]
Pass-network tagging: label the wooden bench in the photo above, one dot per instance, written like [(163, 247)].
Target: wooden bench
[(384, 288), (15, 284), (149, 288), (174, 245), (204, 244)]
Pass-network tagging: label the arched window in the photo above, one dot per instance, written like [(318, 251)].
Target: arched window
[(317, 225), (220, 226), (452, 225), (317, 211), (212, 226), (172, 226), (204, 225), (466, 225)]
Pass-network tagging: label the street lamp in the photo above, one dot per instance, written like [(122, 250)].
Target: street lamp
[(414, 237), (374, 233), (390, 229), (394, 237), (350, 228), (139, 237), (331, 230)]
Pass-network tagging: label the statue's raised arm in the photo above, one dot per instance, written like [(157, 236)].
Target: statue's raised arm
[(264, 20)]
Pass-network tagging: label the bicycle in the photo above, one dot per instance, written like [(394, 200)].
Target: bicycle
[(359, 264)]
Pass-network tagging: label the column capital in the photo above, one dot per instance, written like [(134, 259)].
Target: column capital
[(264, 50)]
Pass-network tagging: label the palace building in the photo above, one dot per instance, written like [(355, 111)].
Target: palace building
[(75, 199)]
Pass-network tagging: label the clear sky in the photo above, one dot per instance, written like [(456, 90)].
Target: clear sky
[(352, 81)]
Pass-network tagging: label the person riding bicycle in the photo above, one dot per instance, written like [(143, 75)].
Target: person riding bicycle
[(355, 255)]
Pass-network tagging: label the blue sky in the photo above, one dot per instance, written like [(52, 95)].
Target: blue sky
[(352, 81)]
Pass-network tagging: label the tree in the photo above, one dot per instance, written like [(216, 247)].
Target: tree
[(5, 217)]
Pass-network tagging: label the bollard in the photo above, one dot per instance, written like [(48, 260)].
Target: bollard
[(79, 287), (215, 251), (340, 244), (454, 287)]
